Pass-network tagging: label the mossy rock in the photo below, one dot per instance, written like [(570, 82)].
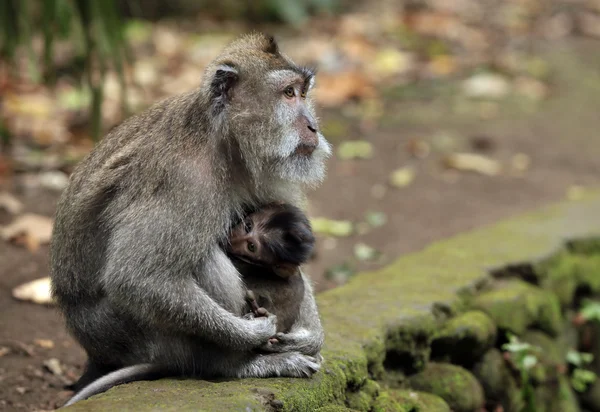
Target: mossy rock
[(408, 344), (556, 397), (454, 384), (414, 401), (362, 398), (588, 246), (464, 338), (499, 385), (565, 272), (516, 306), (591, 397), (335, 408)]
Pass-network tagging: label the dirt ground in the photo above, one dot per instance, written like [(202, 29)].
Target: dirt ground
[(561, 138)]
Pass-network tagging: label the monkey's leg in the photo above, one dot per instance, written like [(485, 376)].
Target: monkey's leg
[(253, 365), (306, 335)]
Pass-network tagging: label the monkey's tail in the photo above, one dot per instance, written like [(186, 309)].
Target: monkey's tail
[(141, 372)]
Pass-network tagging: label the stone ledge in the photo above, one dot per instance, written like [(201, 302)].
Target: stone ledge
[(382, 327)]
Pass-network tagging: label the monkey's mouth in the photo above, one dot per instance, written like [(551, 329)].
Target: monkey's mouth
[(305, 149)]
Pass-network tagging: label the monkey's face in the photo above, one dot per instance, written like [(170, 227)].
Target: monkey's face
[(264, 99)]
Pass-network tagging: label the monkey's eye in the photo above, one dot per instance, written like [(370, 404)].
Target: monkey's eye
[(303, 94), (289, 92), (251, 247)]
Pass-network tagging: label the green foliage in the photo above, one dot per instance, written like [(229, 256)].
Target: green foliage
[(590, 310), (580, 378), (297, 11), (524, 357), (95, 27)]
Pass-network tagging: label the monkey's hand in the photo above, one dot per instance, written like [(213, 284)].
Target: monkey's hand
[(300, 340), (263, 327)]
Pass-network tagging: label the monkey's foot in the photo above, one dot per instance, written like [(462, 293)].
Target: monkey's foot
[(289, 365), (301, 341)]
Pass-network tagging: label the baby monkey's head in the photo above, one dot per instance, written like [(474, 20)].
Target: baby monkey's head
[(277, 236)]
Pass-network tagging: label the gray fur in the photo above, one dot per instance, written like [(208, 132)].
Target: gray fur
[(135, 262)]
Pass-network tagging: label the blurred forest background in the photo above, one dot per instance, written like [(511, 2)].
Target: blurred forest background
[(445, 115)]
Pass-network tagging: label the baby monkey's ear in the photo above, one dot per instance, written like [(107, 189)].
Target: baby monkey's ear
[(225, 78), (285, 269)]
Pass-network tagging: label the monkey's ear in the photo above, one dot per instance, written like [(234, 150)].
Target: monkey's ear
[(272, 46), (226, 76)]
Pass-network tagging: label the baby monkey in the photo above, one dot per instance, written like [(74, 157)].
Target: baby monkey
[(267, 248)]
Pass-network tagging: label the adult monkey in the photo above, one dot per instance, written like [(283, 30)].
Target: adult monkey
[(136, 264)]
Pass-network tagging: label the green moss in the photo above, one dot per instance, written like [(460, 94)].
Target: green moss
[(465, 337), (516, 306), (362, 398), (334, 408), (409, 343), (499, 384), (556, 397), (454, 384), (413, 401), (587, 246), (565, 272)]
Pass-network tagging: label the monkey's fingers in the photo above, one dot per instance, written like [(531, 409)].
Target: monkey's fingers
[(250, 296), (260, 312)]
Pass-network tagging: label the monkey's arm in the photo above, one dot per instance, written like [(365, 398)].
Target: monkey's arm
[(154, 272), (306, 335)]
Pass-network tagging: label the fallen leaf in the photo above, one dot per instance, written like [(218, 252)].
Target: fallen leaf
[(528, 87), (418, 148), (337, 228), (376, 219), (10, 203), (336, 89), (340, 273), (44, 343), (53, 365), (389, 62), (54, 180), (402, 177), (473, 163), (37, 291), (486, 85), (355, 149), (364, 252), (34, 229), (520, 162)]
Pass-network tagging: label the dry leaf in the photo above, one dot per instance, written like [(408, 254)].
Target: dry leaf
[(402, 177), (44, 343), (37, 291), (355, 149), (336, 89), (473, 163), (29, 228), (418, 148), (520, 162), (53, 365), (10, 203), (486, 85)]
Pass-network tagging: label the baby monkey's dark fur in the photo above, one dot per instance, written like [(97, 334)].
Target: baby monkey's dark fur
[(268, 247)]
